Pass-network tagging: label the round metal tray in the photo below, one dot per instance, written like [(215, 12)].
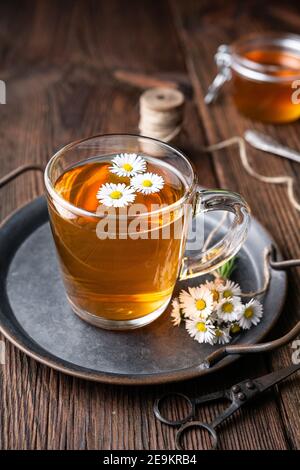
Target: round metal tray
[(36, 317)]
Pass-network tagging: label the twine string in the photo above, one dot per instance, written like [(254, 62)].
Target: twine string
[(161, 113), (281, 179)]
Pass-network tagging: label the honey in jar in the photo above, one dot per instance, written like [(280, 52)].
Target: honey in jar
[(264, 73)]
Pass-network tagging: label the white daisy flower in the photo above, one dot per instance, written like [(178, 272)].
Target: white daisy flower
[(197, 302), (128, 164), (201, 330), (222, 336), (229, 309), (115, 195), (214, 288), (229, 290), (250, 314), (147, 183), (176, 313)]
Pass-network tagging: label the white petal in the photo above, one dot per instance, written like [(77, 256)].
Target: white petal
[(157, 183), (137, 163)]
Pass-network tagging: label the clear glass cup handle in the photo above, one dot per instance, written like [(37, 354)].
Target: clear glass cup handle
[(228, 246)]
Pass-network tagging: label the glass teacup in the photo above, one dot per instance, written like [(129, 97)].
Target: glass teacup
[(120, 208)]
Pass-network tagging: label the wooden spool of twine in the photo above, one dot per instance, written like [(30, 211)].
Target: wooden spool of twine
[(161, 113)]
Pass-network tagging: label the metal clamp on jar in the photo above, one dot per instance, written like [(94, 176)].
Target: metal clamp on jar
[(264, 74)]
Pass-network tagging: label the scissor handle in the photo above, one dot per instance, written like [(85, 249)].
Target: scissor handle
[(170, 422), (196, 424)]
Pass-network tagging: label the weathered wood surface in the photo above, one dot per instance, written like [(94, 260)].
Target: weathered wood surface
[(76, 68)]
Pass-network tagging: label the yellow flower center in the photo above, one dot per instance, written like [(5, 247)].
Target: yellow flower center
[(227, 293), (227, 307), (127, 167), (200, 304), (116, 194), (235, 328), (248, 313), (147, 183), (201, 327), (215, 295), (218, 333)]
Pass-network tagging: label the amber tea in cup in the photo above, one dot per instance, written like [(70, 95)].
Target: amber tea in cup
[(118, 278), (120, 229)]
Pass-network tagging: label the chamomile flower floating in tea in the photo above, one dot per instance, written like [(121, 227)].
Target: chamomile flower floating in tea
[(229, 290), (147, 183), (197, 302), (250, 314), (115, 195), (229, 309), (176, 313), (201, 330), (128, 164), (222, 336)]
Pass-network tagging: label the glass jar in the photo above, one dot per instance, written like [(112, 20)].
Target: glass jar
[(263, 71)]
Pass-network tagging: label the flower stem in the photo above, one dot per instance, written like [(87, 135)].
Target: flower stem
[(227, 268)]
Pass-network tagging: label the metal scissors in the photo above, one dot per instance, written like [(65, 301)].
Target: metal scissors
[(238, 395)]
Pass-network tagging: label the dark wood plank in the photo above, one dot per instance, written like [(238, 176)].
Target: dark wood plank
[(60, 61), (61, 89), (203, 26)]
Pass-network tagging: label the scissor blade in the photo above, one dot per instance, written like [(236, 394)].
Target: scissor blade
[(267, 381), (210, 397)]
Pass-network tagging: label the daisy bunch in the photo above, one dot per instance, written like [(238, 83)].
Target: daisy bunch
[(176, 314), (213, 312)]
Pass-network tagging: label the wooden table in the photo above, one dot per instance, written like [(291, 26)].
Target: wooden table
[(75, 68)]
